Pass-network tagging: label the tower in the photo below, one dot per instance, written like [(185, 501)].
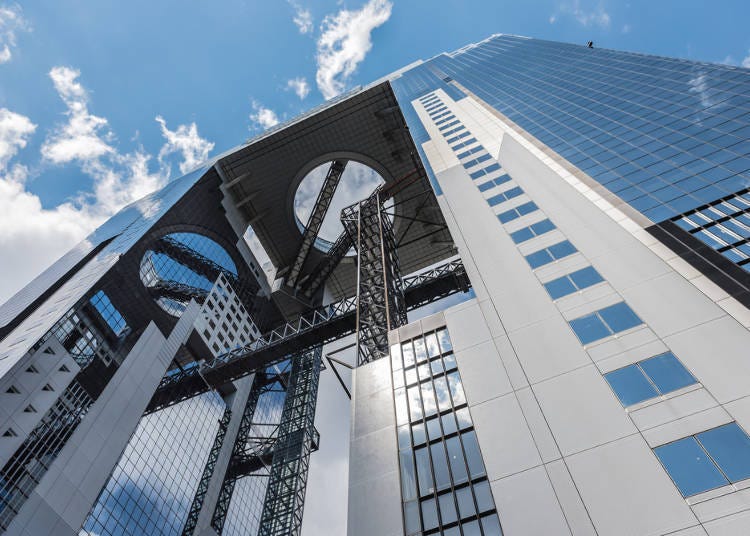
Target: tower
[(589, 205)]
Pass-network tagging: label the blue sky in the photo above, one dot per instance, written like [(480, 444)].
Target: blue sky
[(102, 101)]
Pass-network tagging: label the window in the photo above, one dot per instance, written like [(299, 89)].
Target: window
[(605, 322), (484, 171), (448, 125), (504, 196), (478, 160), (550, 254), (707, 460), (456, 138), (470, 152), (640, 381), (535, 229), (444, 486), (520, 210), (578, 280)]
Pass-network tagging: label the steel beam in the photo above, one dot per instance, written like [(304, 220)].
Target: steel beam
[(318, 214)]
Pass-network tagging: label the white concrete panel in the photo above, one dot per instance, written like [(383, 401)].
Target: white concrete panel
[(467, 327), (692, 424), (581, 410), (548, 348), (734, 525), (723, 506), (677, 407), (570, 500), (543, 438), (679, 306), (527, 505), (627, 492), (717, 354), (482, 373), (504, 438)]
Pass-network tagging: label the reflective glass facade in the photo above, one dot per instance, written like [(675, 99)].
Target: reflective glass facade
[(665, 135), (444, 485), (153, 485)]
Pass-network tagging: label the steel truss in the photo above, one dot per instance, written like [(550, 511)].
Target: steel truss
[(325, 196), (320, 326), (381, 305), (246, 445), (297, 438), (208, 471)]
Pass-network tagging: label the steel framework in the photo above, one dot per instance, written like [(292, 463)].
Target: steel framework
[(297, 438), (381, 305), (208, 471), (320, 326), (325, 196)]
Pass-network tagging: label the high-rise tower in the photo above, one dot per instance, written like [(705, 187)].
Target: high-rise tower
[(594, 380)]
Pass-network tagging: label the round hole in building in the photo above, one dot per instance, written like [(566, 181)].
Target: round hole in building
[(356, 183), (181, 266)]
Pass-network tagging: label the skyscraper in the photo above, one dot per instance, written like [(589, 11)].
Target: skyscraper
[(590, 205)]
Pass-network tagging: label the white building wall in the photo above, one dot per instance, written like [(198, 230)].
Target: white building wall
[(563, 455)]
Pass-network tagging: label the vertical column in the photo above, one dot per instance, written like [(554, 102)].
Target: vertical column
[(285, 495), (380, 298)]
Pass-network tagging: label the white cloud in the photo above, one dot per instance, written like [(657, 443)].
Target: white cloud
[(746, 61), (299, 85), (11, 22), (85, 136), (302, 18), (32, 236), (552, 19), (263, 117), (586, 15), (344, 42), (15, 130), (626, 28), (185, 141)]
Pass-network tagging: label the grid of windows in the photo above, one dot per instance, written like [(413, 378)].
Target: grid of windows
[(707, 460), (507, 195), (604, 322), (444, 485), (651, 377), (724, 225), (532, 231), (550, 254), (109, 313), (665, 135), (570, 283), (152, 486)]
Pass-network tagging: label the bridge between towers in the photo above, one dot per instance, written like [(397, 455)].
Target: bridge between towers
[(322, 325)]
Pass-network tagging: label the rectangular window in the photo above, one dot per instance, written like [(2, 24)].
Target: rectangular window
[(605, 322), (520, 210), (504, 196), (470, 152), (486, 186), (707, 460), (533, 230), (646, 379), (568, 284), (456, 138), (449, 125), (550, 254)]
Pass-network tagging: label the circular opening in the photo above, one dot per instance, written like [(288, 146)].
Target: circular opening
[(181, 266), (357, 182)]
